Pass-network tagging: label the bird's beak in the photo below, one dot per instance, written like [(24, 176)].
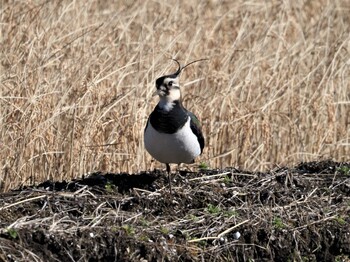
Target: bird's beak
[(155, 93)]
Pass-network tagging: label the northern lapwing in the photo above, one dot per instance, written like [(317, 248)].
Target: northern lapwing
[(172, 134)]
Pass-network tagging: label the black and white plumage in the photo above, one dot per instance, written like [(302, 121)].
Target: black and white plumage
[(172, 133)]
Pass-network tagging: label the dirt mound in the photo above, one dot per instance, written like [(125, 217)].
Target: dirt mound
[(299, 213)]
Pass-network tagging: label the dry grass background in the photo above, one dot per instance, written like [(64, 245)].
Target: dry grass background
[(77, 74)]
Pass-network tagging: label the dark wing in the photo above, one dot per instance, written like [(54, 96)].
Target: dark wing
[(196, 129)]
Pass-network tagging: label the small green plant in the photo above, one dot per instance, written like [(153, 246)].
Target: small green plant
[(213, 209), (187, 235), (12, 232), (114, 229), (344, 170), (203, 166), (164, 230), (342, 258), (129, 230), (278, 223), (144, 238), (193, 217), (227, 179), (340, 220), (230, 213), (144, 222), (109, 187)]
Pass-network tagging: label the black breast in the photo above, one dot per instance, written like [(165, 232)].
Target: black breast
[(169, 121)]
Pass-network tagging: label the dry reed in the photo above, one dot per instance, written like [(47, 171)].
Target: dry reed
[(77, 79)]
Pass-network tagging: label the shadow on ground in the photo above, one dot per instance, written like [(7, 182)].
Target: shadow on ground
[(299, 214)]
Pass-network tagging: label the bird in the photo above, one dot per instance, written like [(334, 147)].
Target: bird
[(173, 134)]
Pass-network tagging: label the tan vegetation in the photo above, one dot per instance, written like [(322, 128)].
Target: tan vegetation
[(76, 75)]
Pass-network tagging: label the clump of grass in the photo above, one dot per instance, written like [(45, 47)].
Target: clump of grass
[(203, 166), (193, 217), (344, 170), (144, 238), (129, 229), (212, 209), (227, 179), (164, 230), (341, 220), (342, 258), (12, 232), (278, 223), (230, 213), (144, 222), (110, 187)]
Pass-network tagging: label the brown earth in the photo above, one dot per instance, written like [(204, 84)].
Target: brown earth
[(289, 214)]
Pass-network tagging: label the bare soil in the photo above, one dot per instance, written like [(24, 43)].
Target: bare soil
[(287, 214)]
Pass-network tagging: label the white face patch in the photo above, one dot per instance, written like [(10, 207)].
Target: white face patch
[(169, 92), (174, 94)]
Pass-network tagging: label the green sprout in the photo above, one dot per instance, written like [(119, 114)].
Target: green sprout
[(344, 170), (230, 213), (278, 223), (12, 232), (342, 258), (340, 220), (114, 229), (213, 209), (110, 188), (194, 218), (144, 238), (144, 222), (203, 166), (129, 230), (164, 230), (227, 179)]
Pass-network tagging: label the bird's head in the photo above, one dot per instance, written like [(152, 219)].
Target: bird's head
[(168, 87)]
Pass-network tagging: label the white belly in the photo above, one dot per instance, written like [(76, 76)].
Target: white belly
[(180, 147)]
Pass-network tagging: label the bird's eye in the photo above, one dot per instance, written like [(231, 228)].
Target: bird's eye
[(170, 83)]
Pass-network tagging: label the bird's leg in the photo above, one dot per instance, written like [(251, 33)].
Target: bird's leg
[(169, 177)]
